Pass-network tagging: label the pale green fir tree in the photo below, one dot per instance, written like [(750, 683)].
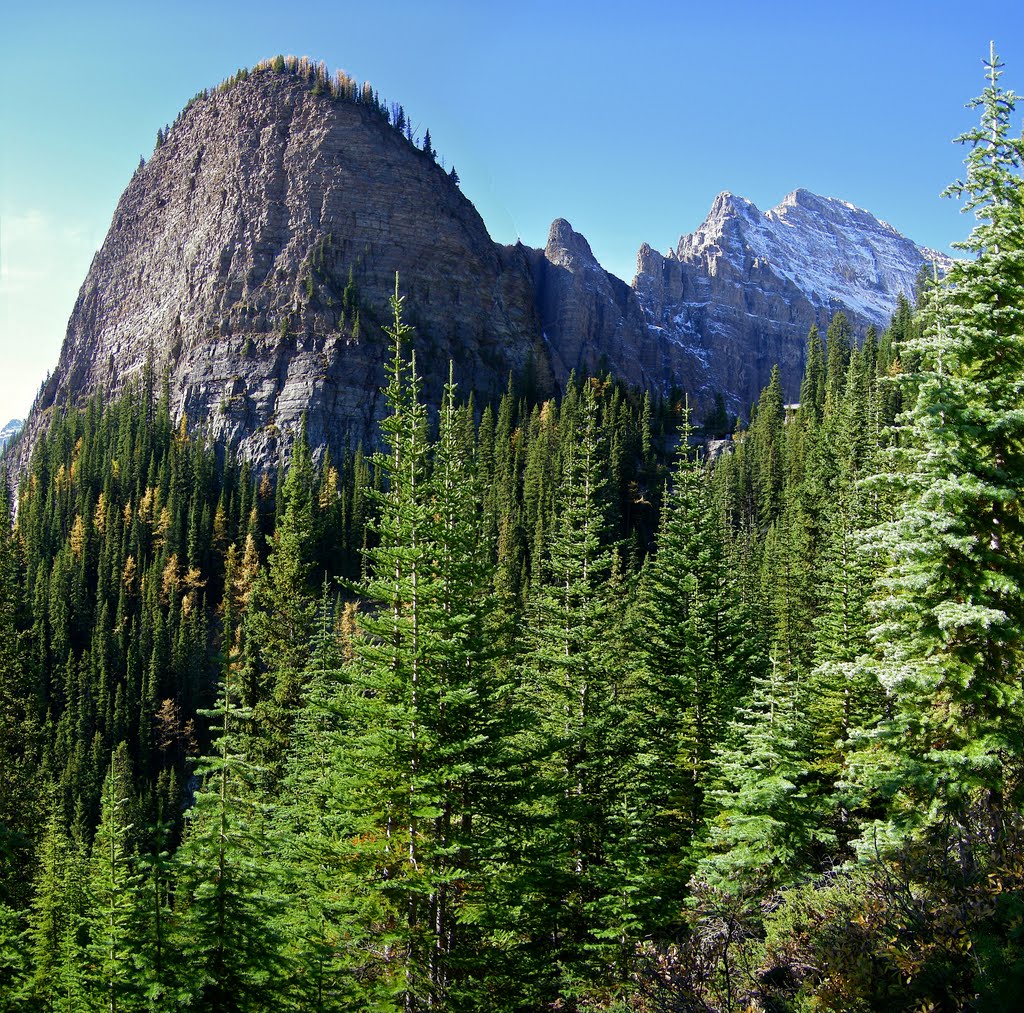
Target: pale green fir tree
[(950, 604)]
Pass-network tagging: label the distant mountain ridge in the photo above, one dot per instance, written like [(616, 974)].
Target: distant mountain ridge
[(10, 431), (253, 256), (834, 252), (741, 292)]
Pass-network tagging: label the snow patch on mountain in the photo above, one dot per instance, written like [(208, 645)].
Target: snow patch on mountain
[(10, 431), (739, 294), (836, 254)]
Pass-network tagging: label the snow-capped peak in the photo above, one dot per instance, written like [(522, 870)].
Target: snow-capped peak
[(830, 249), (10, 431)]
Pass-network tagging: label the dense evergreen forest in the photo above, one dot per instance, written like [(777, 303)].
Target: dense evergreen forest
[(538, 707)]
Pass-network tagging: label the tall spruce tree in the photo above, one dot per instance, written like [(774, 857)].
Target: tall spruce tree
[(56, 933), (320, 920), (586, 907), (421, 770), (951, 601), (228, 885), (691, 633), (19, 720), (383, 781), (112, 919), (765, 827)]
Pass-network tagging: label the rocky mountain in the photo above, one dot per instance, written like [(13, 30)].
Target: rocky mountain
[(741, 292), (591, 321), (252, 258), (10, 431)]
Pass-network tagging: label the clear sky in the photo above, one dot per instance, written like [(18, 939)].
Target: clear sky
[(624, 119)]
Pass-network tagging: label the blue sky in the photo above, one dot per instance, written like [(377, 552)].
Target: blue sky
[(625, 120)]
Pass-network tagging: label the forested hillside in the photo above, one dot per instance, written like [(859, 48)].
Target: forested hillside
[(538, 707)]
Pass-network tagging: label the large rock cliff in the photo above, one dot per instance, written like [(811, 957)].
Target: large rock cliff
[(593, 322), (253, 257)]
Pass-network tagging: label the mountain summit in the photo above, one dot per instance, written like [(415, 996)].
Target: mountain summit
[(253, 257), (742, 290), (832, 251)]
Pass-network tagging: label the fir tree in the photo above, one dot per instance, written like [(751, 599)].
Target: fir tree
[(766, 452), (227, 890), (56, 932), (586, 848), (951, 601), (691, 632), (320, 920), (112, 920), (768, 828), (421, 769)]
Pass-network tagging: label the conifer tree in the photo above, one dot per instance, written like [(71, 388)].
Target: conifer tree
[(320, 919), (112, 919), (56, 931), (692, 634), (420, 771), (19, 720), (228, 882), (838, 345), (765, 455), (812, 387), (587, 849), (951, 601), (278, 621), (767, 828), (382, 777), (154, 957)]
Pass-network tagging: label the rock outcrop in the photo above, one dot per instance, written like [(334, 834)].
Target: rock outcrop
[(589, 318), (253, 258)]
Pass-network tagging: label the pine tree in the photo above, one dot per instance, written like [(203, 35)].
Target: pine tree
[(838, 343), (154, 958), (112, 919), (692, 636), (320, 919), (951, 602), (586, 848), (227, 889), (767, 828), (812, 387), (766, 452), (56, 934), (20, 701), (420, 773), (383, 789), (278, 621)]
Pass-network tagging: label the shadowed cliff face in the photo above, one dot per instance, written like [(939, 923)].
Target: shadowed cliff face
[(592, 321), (254, 256)]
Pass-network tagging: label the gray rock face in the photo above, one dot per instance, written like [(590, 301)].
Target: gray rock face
[(593, 322), (588, 317), (254, 255), (740, 293)]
